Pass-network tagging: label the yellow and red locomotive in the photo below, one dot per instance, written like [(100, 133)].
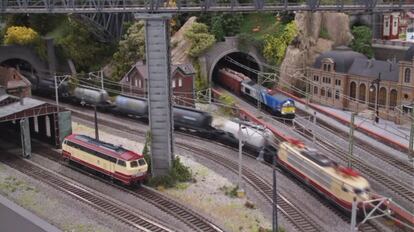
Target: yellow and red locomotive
[(339, 184), (114, 161)]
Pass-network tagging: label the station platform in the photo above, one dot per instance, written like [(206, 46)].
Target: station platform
[(15, 218)]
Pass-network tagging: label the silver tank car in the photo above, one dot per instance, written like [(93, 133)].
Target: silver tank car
[(131, 105), (91, 96), (256, 138)]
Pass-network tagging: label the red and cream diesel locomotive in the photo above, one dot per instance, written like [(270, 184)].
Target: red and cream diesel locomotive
[(114, 161), (339, 184)]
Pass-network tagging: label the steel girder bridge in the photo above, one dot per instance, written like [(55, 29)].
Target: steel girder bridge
[(181, 6), (108, 16)]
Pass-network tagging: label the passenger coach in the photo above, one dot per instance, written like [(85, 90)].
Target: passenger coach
[(114, 161)]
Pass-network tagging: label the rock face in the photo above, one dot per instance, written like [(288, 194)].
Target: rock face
[(311, 45), (180, 45)]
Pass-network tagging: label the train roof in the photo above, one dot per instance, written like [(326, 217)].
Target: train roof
[(346, 175), (107, 148)]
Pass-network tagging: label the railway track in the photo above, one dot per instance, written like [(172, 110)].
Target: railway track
[(403, 190), (192, 219), (384, 156), (292, 213), (108, 206)]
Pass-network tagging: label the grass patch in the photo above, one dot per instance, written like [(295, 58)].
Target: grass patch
[(323, 33), (178, 174), (229, 191), (79, 228), (260, 24), (12, 184)]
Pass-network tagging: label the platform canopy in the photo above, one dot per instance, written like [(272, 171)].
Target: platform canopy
[(14, 108)]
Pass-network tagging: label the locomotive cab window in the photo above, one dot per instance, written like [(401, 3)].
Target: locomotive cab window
[(134, 164), (142, 162), (121, 163)]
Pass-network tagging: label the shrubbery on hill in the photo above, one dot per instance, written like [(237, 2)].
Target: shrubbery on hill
[(26, 37), (130, 49), (362, 40), (275, 45), (200, 38)]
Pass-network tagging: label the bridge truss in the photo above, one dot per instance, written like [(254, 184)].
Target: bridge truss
[(108, 16)]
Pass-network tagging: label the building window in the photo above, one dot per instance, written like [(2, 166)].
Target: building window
[(323, 79), (136, 82), (362, 90), (329, 93), (329, 80), (324, 67), (382, 97), (337, 82), (180, 82), (173, 83), (315, 90), (352, 90), (127, 78), (329, 67), (323, 92), (393, 98), (407, 75), (337, 94)]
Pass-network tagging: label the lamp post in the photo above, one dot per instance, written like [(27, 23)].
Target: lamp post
[(371, 89)]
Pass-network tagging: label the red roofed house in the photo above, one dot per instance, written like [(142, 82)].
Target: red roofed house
[(135, 82), (14, 82)]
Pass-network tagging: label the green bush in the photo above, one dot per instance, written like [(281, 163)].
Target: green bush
[(178, 173), (229, 103), (275, 45), (323, 33), (146, 151), (200, 38), (362, 40), (80, 45), (130, 50)]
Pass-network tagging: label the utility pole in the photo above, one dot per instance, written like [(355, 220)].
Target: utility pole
[(259, 81), (274, 206), (314, 128), (56, 93), (240, 181), (411, 145), (102, 79), (96, 124), (351, 139), (353, 216)]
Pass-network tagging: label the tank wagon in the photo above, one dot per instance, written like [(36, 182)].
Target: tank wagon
[(256, 138), (132, 106), (92, 96)]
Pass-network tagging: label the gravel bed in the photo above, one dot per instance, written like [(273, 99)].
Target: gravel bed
[(52, 205), (287, 186)]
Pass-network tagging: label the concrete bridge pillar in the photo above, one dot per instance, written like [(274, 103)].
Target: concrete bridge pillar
[(159, 85)]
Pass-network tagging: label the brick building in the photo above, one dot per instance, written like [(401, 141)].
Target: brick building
[(14, 82), (135, 82), (343, 79)]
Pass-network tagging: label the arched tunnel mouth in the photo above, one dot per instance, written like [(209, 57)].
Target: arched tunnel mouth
[(23, 66), (239, 62)]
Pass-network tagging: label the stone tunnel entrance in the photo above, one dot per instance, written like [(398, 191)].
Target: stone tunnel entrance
[(239, 62)]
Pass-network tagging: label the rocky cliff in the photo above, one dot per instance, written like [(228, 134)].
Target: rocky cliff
[(334, 27), (180, 45)]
